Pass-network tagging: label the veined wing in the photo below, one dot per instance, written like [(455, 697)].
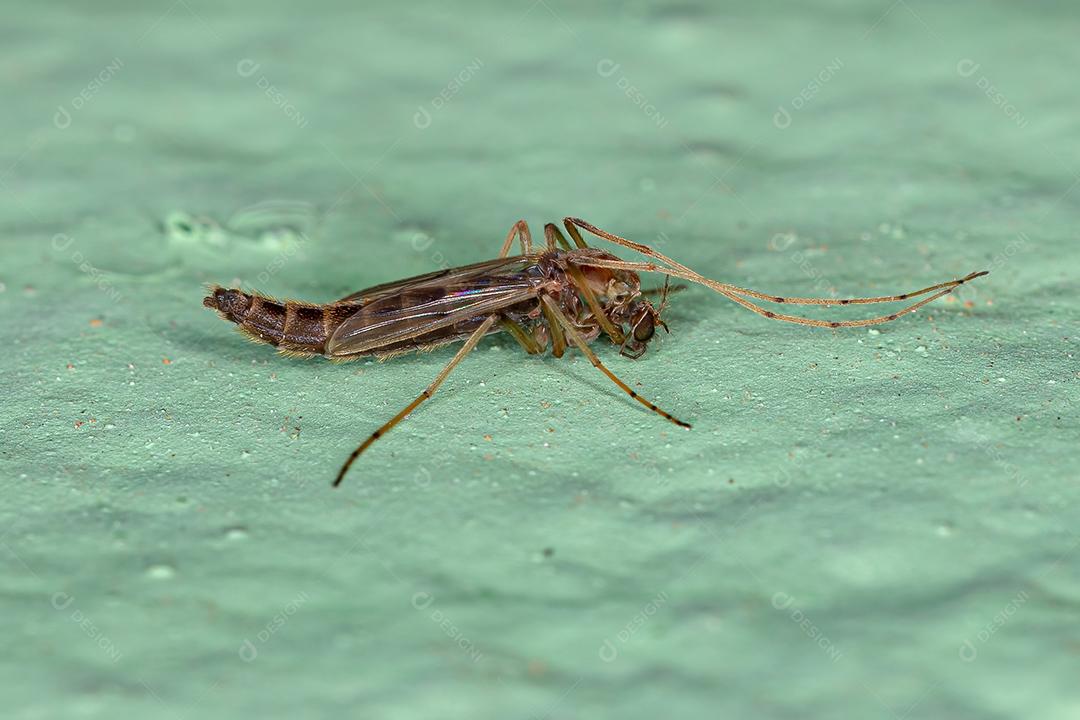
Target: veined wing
[(417, 312), (445, 277)]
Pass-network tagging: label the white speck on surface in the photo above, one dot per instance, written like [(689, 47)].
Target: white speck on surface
[(160, 572)]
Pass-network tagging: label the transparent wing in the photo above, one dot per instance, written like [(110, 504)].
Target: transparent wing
[(430, 314), (444, 277)]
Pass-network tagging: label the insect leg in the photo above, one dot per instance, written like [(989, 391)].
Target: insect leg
[(572, 224), (732, 295), (613, 331), (558, 339), (428, 392), (866, 300), (522, 335), (722, 287), (570, 228), (799, 320), (520, 228), (576, 338), (553, 235)]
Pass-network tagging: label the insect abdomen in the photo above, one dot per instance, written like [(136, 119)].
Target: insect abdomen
[(292, 326)]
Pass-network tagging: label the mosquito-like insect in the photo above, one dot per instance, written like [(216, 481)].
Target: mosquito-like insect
[(563, 295)]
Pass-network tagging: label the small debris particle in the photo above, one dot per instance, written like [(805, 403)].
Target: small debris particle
[(79, 424), (96, 322), (160, 572), (548, 552), (236, 533), (488, 437), (166, 361)]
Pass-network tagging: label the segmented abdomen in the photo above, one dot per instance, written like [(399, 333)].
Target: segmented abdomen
[(291, 326)]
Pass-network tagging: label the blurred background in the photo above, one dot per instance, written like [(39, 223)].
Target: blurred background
[(864, 523)]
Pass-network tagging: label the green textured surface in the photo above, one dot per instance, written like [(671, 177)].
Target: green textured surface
[(861, 524)]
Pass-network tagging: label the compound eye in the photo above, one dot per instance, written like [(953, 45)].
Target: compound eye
[(644, 328)]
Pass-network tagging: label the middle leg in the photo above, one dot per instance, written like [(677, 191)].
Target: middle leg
[(519, 333), (552, 234), (583, 346)]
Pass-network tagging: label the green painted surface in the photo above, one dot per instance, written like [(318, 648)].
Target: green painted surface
[(861, 524)]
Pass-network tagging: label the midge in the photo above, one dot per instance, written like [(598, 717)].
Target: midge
[(562, 296)]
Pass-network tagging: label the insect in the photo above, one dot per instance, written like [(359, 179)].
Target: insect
[(565, 295)]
